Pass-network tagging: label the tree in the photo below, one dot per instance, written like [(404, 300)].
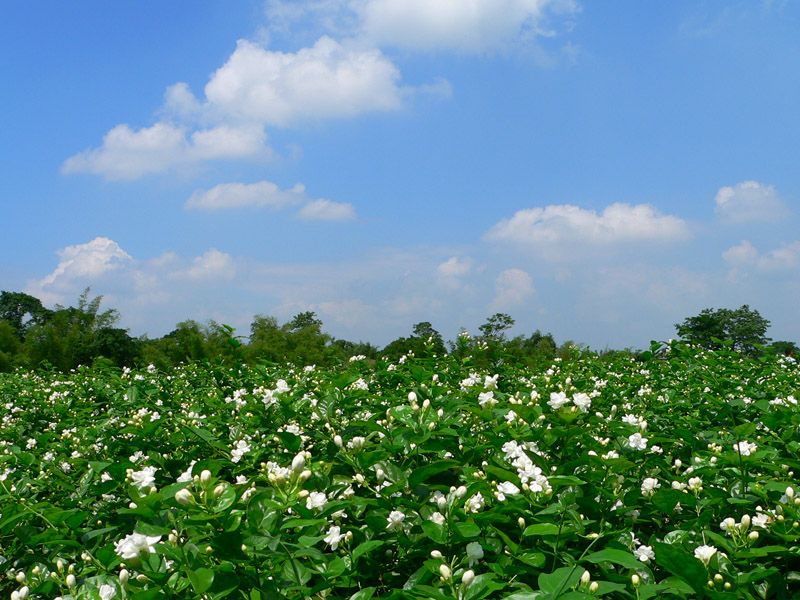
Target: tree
[(22, 311), (743, 328), (495, 327)]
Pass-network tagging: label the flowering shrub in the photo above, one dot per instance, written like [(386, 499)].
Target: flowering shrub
[(669, 478)]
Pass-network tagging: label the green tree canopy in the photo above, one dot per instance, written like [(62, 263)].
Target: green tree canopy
[(744, 328), (22, 311)]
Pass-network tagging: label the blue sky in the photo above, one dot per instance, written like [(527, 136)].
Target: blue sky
[(596, 170)]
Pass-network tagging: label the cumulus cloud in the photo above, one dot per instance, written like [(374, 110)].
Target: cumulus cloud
[(263, 194), (749, 201), (328, 80), (567, 225), (451, 272), (82, 261), (326, 210), (129, 154), (212, 265), (469, 26), (787, 257), (512, 288)]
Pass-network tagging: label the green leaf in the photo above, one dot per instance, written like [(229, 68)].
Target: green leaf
[(560, 580), (681, 564), (467, 530), (423, 473), (541, 529), (201, 579), (366, 547), (364, 594), (617, 557)]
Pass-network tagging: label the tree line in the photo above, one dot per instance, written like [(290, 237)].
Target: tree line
[(33, 336)]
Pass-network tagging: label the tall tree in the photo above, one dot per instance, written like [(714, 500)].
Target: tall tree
[(22, 311), (744, 327)]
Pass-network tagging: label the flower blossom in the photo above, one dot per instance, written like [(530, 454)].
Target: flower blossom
[(557, 400), (649, 486), (637, 442), (395, 521), (334, 537), (144, 478), (705, 553), (745, 448), (316, 500), (132, 545), (474, 553)]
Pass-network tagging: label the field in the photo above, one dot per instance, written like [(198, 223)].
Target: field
[(671, 477)]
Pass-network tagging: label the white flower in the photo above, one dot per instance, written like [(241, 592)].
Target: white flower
[(744, 448), (486, 399), (316, 500), (107, 592), (474, 553), (334, 536), (475, 503), (144, 478), (582, 401), (437, 518), (490, 383), (630, 419), (557, 400), (395, 521), (705, 553), (644, 553), (281, 386), (505, 488), (649, 486), (132, 545), (241, 448), (637, 442)]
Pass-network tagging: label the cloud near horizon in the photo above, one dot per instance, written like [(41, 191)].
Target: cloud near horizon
[(562, 226), (749, 201)]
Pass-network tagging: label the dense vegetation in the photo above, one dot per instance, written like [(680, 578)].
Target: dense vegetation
[(452, 477)]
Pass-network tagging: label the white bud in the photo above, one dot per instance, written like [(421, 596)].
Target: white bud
[(338, 441), (461, 491), (205, 476), (426, 404), (790, 492), (468, 577), (71, 581), (745, 521), (305, 475), (586, 577), (124, 576), (183, 496), (219, 490), (521, 522), (299, 463), (23, 592), (635, 580), (412, 397), (380, 475), (444, 571), (441, 502), (594, 587), (20, 577), (436, 554)]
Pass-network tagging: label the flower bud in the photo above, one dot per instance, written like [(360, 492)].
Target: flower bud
[(299, 463), (436, 554), (305, 475), (20, 577), (183, 496), (521, 522), (380, 475), (745, 521), (426, 404), (60, 565), (133, 505), (635, 580), (586, 577), (444, 571), (468, 577), (718, 577), (124, 576), (71, 581), (790, 492), (141, 578), (338, 441), (412, 397), (441, 503), (219, 490), (205, 476), (752, 536), (461, 491)]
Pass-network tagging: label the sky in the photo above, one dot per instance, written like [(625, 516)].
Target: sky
[(596, 170)]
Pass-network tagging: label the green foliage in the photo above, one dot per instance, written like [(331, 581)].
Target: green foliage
[(669, 475), (22, 312), (744, 328)]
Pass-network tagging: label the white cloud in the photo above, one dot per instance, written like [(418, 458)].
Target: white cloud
[(326, 210), (327, 80), (749, 201), (512, 288), (212, 265), (785, 258), (87, 260), (129, 154), (564, 226), (263, 194), (450, 273), (469, 26)]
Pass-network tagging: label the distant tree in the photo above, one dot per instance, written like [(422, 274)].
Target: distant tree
[(495, 327), (22, 311), (423, 341), (784, 348), (303, 321), (9, 346), (744, 328)]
